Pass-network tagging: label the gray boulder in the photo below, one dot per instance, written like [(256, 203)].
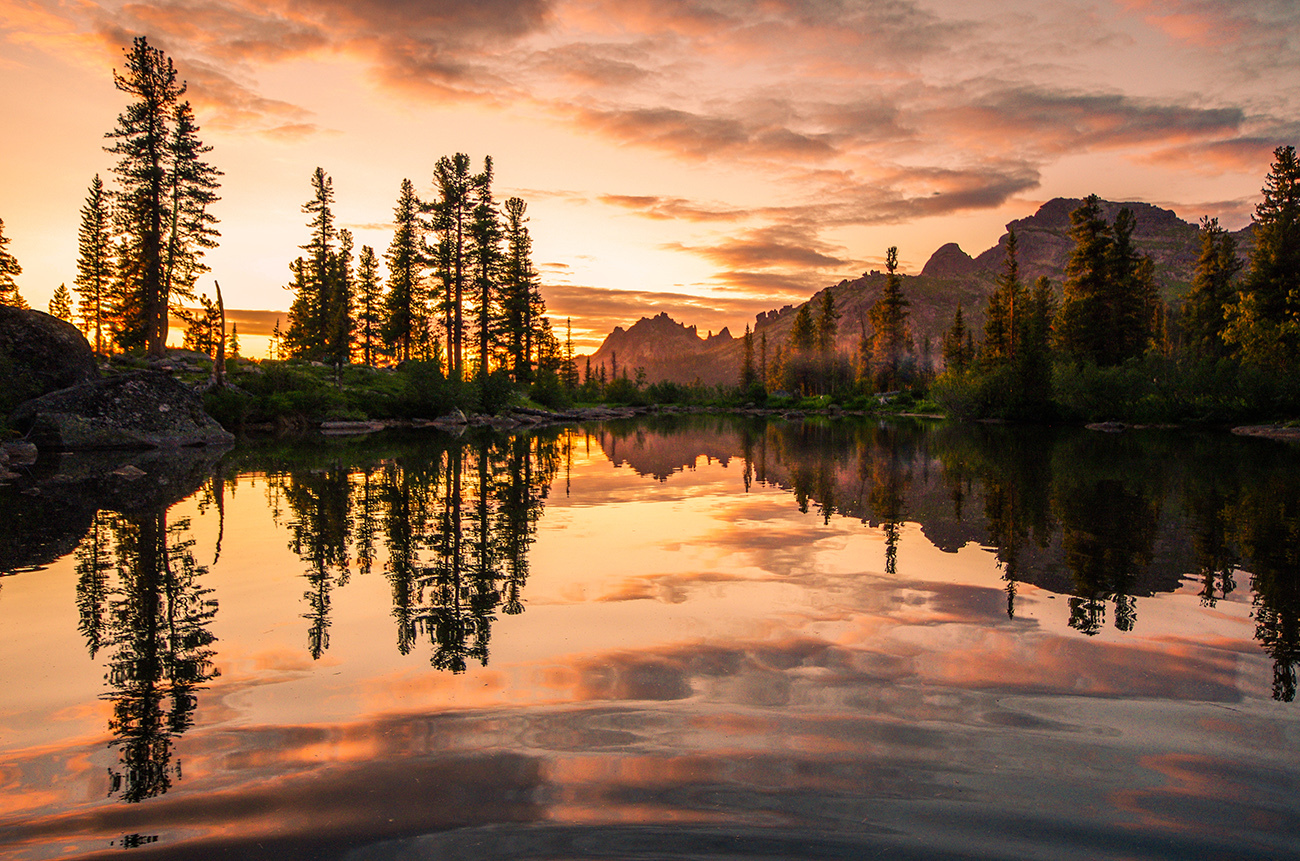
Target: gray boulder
[(146, 409), (39, 354)]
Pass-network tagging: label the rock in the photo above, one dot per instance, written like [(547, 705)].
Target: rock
[(949, 262), (40, 354), (19, 453), (50, 508), (146, 409), (342, 428)]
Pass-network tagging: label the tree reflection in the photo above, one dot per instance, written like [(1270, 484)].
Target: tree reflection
[(1268, 530), (139, 596), (456, 519)]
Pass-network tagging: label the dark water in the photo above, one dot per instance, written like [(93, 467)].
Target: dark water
[(690, 638)]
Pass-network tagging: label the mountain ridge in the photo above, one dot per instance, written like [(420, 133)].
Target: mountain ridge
[(669, 350)]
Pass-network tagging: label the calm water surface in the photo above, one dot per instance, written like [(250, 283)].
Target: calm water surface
[(704, 638)]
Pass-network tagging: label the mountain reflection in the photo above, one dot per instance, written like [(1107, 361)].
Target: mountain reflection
[(456, 520), (140, 599), (1103, 519)]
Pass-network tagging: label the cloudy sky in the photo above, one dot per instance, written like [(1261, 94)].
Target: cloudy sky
[(708, 158)]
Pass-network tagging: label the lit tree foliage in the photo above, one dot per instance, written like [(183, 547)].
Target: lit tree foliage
[(1264, 323), (9, 267), (95, 264)]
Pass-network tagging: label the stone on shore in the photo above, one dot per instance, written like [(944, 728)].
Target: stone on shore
[(146, 409), (40, 354)]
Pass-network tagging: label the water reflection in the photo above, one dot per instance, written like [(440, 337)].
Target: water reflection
[(1103, 519), (456, 521), (140, 599)]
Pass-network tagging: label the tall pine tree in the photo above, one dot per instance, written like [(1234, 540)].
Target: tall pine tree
[(890, 337), (485, 263), (141, 140), (1264, 323), (309, 313), (405, 303), (370, 306), (1213, 289), (451, 219), (95, 264)]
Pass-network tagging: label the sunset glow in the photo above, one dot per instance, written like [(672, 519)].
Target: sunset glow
[(707, 158)]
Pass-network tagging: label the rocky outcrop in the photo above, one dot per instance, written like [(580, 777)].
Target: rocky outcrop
[(39, 354), (949, 262), (146, 409)]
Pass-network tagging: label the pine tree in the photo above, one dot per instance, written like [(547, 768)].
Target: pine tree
[(61, 303), (521, 301), (957, 343), (1264, 322), (890, 336), (142, 143), (748, 376), (370, 306), (95, 264), (827, 324), (1111, 310), (451, 218), (232, 344), (1084, 325), (308, 315), (485, 263), (9, 267), (192, 189), (405, 303), (803, 334), (570, 375), (1004, 318), (338, 304)]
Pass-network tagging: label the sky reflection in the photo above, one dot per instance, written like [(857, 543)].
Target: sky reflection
[(693, 665)]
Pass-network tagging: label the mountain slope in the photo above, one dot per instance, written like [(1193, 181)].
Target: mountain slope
[(669, 350)]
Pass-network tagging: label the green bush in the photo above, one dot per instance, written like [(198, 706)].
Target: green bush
[(425, 391)]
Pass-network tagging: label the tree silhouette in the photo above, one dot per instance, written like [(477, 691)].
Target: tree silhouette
[(154, 621)]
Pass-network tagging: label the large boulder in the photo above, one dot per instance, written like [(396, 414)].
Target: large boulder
[(145, 409), (39, 354)]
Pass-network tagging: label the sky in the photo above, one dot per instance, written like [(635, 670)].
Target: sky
[(708, 158)]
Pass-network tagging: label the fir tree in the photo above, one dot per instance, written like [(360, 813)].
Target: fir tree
[(338, 305), (9, 267), (308, 315), (95, 264), (192, 189), (1083, 327), (890, 337), (405, 303), (1213, 289), (485, 262), (143, 143), (370, 305), (748, 376), (1004, 317), (957, 343), (521, 301), (61, 303), (827, 324), (1264, 322), (451, 218), (232, 344)]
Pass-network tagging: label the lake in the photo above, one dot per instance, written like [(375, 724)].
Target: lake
[(678, 637)]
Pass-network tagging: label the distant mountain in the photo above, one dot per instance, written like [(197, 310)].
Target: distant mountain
[(666, 349), (669, 350)]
